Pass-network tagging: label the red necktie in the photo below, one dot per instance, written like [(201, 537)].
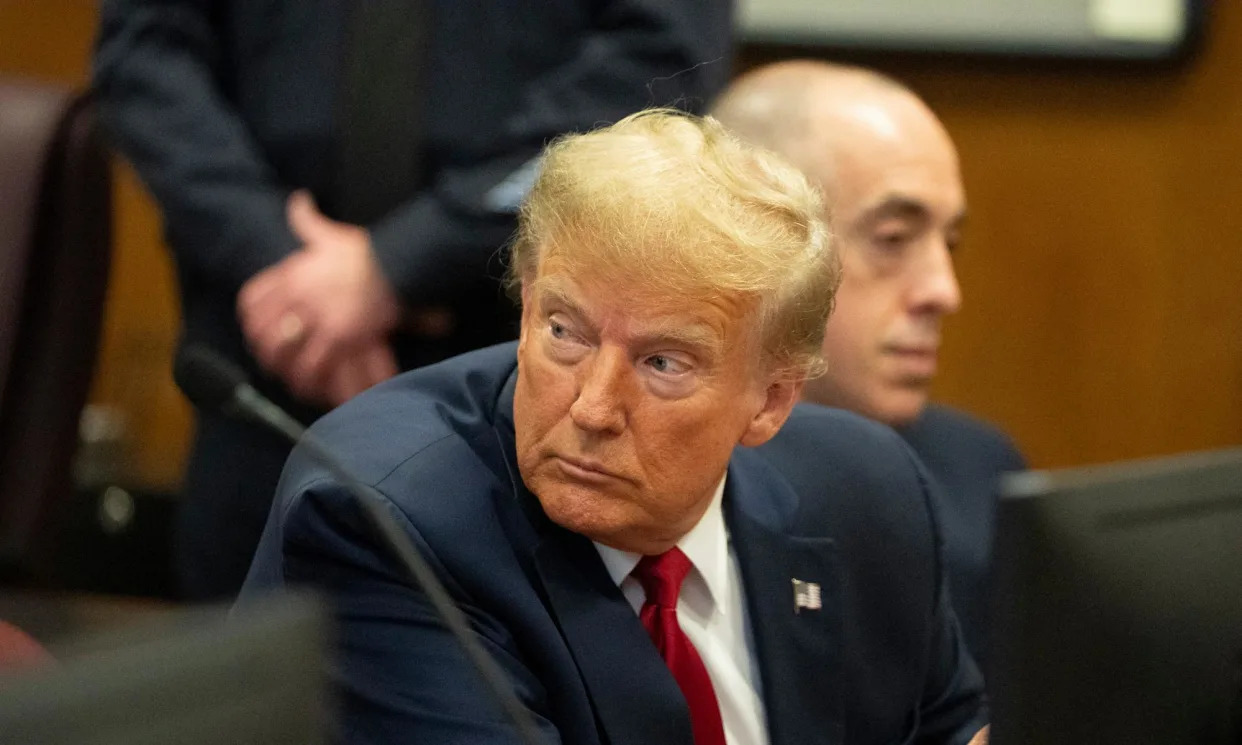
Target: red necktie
[(661, 577)]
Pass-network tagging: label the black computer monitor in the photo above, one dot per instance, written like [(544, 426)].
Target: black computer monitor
[(1117, 604), (255, 679)]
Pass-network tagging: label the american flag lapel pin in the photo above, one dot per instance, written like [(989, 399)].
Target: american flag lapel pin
[(806, 595)]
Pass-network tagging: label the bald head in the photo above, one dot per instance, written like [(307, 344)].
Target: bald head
[(895, 199), (815, 112)]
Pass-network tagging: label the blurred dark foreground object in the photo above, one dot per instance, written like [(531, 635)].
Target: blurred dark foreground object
[(1117, 611), (55, 251), (190, 678), (115, 540)]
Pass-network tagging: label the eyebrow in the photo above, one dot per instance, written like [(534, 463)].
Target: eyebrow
[(552, 290), (896, 205), (695, 335)]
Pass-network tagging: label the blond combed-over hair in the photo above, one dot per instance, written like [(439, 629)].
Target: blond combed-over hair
[(677, 203)]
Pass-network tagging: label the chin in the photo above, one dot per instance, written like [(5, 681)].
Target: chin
[(902, 418), (583, 511), (610, 520), (899, 408)]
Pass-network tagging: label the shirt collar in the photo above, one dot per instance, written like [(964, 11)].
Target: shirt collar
[(706, 545)]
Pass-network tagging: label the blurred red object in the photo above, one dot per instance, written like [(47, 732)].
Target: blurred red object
[(19, 650)]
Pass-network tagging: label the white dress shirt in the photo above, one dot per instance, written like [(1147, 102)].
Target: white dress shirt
[(711, 610)]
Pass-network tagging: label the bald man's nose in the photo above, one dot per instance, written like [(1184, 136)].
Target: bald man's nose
[(934, 284)]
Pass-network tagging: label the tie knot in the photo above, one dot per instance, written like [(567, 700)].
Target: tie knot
[(662, 575)]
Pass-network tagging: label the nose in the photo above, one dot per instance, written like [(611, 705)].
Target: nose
[(934, 287), (599, 406)]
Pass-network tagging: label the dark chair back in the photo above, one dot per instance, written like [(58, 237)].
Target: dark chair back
[(55, 253)]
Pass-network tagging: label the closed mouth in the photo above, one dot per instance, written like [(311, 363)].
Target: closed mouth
[(591, 470)]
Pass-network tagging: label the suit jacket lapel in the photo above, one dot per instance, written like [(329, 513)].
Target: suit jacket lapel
[(799, 651), (636, 699)]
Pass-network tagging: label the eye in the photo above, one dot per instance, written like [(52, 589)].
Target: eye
[(672, 375), (892, 240), (561, 328), (562, 339), (668, 364)]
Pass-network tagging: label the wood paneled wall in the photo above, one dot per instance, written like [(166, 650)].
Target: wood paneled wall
[(1101, 270)]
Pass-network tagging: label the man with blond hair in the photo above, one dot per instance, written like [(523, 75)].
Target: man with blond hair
[(891, 178), (655, 544)]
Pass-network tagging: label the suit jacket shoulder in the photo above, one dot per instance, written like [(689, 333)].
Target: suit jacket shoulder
[(965, 457), (426, 442), (397, 420), (854, 477), (423, 440), (951, 441)]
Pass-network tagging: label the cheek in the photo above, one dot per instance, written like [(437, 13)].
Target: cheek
[(848, 335), (524, 428), (536, 406), (544, 392), (860, 320), (682, 455)]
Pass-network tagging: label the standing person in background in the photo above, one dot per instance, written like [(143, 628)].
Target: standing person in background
[(337, 179), (890, 174)]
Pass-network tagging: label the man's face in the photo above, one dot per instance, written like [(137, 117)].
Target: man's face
[(628, 405), (897, 208)]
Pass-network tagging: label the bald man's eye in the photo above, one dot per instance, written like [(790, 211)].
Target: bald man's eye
[(892, 240)]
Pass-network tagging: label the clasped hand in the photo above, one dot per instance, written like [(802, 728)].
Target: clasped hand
[(320, 318)]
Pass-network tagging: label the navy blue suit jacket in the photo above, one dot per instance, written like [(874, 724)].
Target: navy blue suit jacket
[(966, 458), (834, 499)]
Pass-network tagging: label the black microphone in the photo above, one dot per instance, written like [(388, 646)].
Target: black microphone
[(212, 383), (215, 384)]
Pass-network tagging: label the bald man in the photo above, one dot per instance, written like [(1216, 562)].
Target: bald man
[(890, 173)]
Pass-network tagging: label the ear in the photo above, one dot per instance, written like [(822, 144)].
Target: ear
[(779, 400)]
